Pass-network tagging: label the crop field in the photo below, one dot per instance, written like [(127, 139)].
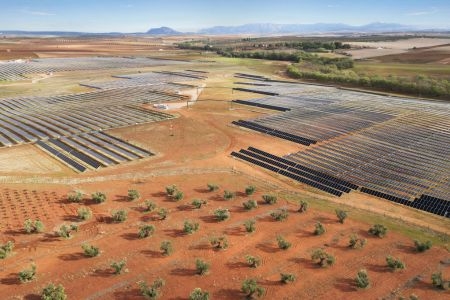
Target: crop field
[(210, 171)]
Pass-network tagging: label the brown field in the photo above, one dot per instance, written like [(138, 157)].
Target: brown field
[(196, 152)]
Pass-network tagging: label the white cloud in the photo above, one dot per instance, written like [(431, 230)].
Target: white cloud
[(37, 13), (333, 5), (431, 11)]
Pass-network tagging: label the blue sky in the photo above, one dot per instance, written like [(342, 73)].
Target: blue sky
[(190, 15)]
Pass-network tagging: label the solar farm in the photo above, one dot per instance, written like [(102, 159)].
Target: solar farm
[(389, 147)]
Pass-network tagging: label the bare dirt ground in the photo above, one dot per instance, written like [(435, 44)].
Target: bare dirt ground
[(194, 152), (374, 49)]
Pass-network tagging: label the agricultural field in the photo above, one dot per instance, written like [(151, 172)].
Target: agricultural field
[(213, 172)]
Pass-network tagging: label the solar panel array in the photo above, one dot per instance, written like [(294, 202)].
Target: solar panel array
[(18, 70), (390, 147)]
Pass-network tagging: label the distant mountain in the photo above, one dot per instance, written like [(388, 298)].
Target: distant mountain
[(270, 28), (163, 31)]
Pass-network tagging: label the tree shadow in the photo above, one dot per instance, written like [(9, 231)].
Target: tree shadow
[(72, 256), (209, 219), (32, 297), (12, 279), (407, 248), (229, 294), (128, 294), (272, 282), (304, 262), (345, 285), (103, 273), (267, 218), (51, 237), (377, 268), (202, 190), (236, 231), (268, 248), (183, 272), (130, 236), (305, 233), (326, 220), (237, 265), (122, 198), (175, 232), (203, 246), (71, 218), (238, 209), (159, 194), (153, 253), (217, 198), (185, 207)]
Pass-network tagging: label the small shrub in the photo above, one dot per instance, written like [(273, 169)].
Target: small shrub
[(99, 197), (179, 195), (133, 195), (171, 189), (118, 266), (149, 205), (341, 215), (222, 214), (228, 195), (163, 213), (190, 227), (28, 275), (198, 294), (250, 190), (438, 281), (282, 243), (202, 267), (6, 249), (394, 263), (220, 242), (253, 261), (250, 204), (319, 229), (53, 292), (75, 196), (280, 214), (362, 279), (166, 248), (378, 230), (323, 258), (356, 242), (287, 277), (84, 213), (153, 291), (270, 199), (65, 231), (212, 187), (119, 216), (31, 226), (250, 287), (303, 206), (90, 251), (198, 203), (422, 246), (146, 230), (250, 226)]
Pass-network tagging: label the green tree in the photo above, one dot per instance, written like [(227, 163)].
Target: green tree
[(35, 226), (362, 279), (166, 248), (250, 204), (323, 258), (228, 195), (356, 242), (179, 195), (53, 292), (202, 267), (198, 203), (75, 196), (146, 230), (319, 229), (280, 214), (65, 231), (28, 275), (118, 266), (198, 294), (119, 216), (378, 230), (287, 277), (153, 291), (133, 195), (219, 242), (269, 199), (341, 215), (90, 250), (149, 205), (98, 197), (282, 243), (162, 213), (212, 187), (303, 206), (250, 190), (422, 246), (190, 227), (250, 226), (171, 189), (251, 288), (253, 261), (438, 281), (222, 214), (84, 213), (394, 263), (6, 249)]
